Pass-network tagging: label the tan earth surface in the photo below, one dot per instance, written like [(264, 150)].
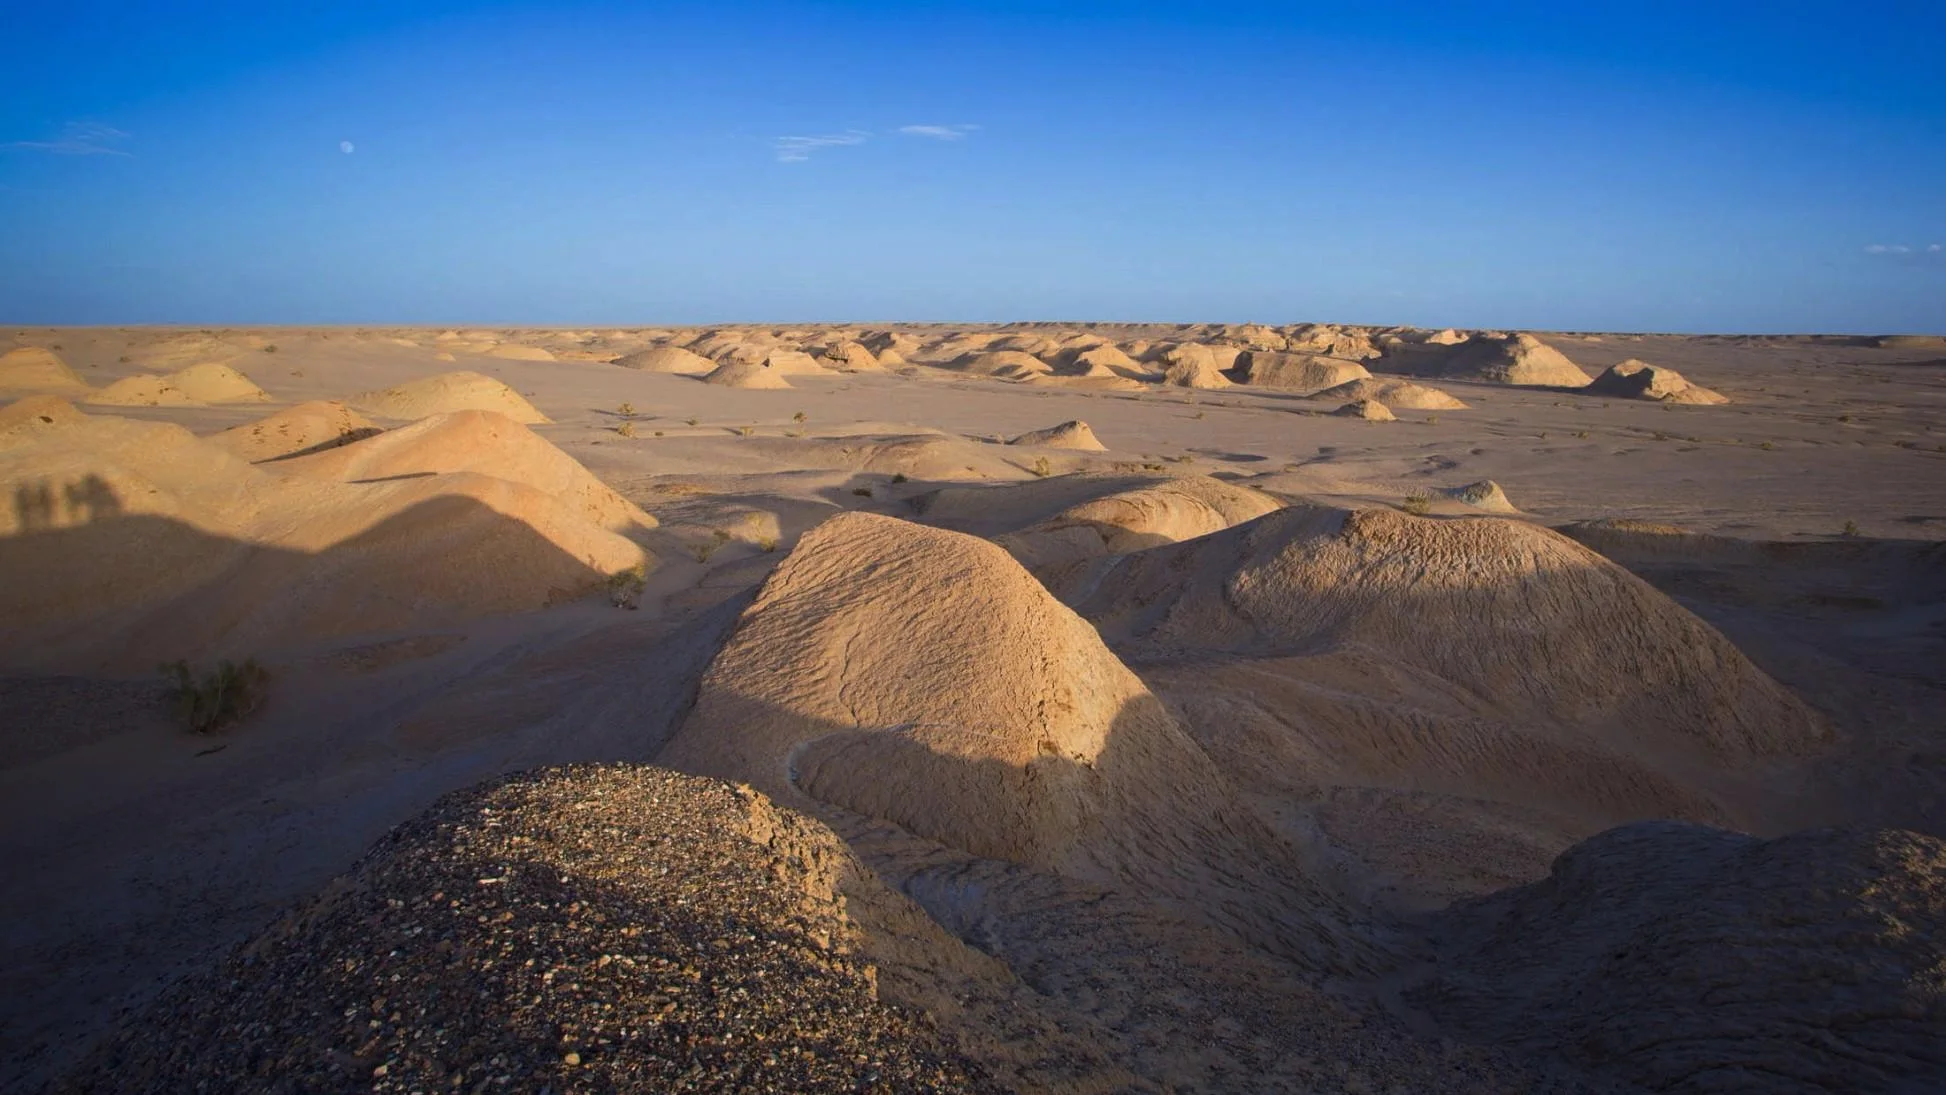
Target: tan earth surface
[(1570, 731)]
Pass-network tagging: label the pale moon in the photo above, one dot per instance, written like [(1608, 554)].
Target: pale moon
[(345, 147)]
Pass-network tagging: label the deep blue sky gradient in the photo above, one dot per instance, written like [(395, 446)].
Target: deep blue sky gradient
[(1696, 166)]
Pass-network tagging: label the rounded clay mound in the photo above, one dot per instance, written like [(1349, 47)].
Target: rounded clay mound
[(215, 557), (1539, 627), (142, 390), (1011, 364), (1192, 366), (1686, 959), (1105, 359), (36, 413), (1483, 495), (445, 393), (307, 427), (743, 373), (1067, 435), (1521, 360), (510, 351), (793, 363), (35, 369), (480, 442), (667, 359), (1393, 392), (626, 905), (1168, 512), (1325, 340), (1299, 372), (1633, 379), (925, 678), (211, 382), (851, 357)]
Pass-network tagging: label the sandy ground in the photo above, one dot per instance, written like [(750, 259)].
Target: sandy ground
[(136, 853)]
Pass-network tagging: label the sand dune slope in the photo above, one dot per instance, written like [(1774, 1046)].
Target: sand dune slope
[(923, 677), (1686, 959)]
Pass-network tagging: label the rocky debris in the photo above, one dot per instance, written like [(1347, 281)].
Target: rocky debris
[(615, 928), (1688, 959)]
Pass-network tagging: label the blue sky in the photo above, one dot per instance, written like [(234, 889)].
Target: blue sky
[(1644, 166)]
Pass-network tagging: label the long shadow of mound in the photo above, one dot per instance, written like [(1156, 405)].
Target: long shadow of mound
[(122, 591)]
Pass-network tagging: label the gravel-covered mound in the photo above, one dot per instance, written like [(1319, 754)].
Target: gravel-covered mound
[(589, 929)]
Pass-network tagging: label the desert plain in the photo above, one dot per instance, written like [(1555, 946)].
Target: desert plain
[(1047, 707)]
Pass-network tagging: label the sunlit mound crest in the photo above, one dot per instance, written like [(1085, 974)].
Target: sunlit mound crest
[(1527, 620), (456, 391), (148, 543)]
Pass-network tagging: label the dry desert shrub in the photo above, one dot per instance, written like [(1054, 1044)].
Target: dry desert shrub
[(210, 701), (625, 586)]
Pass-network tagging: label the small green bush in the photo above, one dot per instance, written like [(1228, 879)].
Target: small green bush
[(210, 701), (271, 349), (625, 586), (898, 477), (1417, 504)]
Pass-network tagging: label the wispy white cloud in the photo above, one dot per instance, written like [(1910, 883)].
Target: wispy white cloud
[(799, 149), (1929, 255), (78, 139), (938, 132)]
